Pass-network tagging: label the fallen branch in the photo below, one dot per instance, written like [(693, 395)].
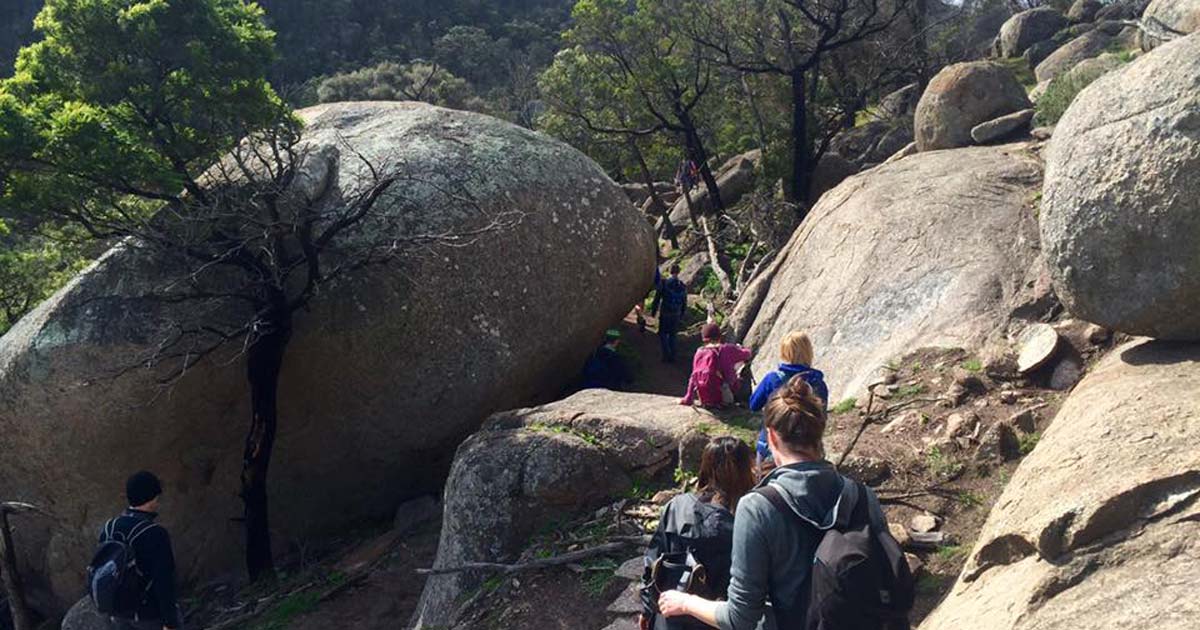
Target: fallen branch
[(714, 259), (541, 563)]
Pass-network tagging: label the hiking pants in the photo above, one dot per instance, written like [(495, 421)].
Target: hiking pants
[(668, 329)]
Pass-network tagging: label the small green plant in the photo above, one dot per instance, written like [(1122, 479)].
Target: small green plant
[(911, 391), (1020, 69), (846, 406), (566, 430), (1061, 92), (930, 584), (950, 552), (491, 584), (973, 366), (683, 477), (968, 498), (942, 464), (598, 575), (1028, 441), (640, 491)]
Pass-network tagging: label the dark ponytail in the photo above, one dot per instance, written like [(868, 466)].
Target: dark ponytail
[(797, 416), (726, 470)]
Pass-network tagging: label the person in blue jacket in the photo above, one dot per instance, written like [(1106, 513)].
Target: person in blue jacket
[(796, 350), (606, 368)]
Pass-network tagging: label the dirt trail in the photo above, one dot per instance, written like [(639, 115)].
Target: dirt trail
[(652, 375)]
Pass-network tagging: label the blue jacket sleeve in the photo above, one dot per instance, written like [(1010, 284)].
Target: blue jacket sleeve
[(749, 584), (762, 393)]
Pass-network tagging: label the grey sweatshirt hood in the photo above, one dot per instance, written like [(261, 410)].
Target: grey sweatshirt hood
[(815, 492)]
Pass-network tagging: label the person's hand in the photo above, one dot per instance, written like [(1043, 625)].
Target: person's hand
[(643, 622), (674, 603), (684, 401)]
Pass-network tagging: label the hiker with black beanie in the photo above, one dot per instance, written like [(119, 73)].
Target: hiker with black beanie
[(155, 562)]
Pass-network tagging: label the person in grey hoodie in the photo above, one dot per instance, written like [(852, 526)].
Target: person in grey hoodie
[(773, 551)]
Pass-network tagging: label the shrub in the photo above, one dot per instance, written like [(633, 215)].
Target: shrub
[(1063, 89)]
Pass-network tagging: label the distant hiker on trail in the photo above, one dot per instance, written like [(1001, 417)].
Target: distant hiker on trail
[(796, 352), (714, 376), (691, 549), (140, 596), (670, 304), (687, 176), (606, 368), (790, 534)]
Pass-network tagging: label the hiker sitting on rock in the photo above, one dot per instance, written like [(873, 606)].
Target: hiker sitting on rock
[(779, 526), (714, 376), (141, 596), (796, 352), (606, 369), (691, 548)]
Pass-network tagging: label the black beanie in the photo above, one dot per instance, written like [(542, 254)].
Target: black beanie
[(141, 488)]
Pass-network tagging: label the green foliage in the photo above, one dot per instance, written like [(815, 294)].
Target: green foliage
[(1028, 441), (391, 81), (1020, 69), (970, 499), (974, 366), (942, 464), (1061, 92), (562, 429), (911, 390), (122, 104), (31, 268), (598, 575), (846, 406), (950, 552)]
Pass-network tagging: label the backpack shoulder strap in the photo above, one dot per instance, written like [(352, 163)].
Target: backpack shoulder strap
[(776, 499), (140, 528)]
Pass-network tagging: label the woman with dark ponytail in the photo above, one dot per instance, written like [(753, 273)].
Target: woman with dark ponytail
[(696, 529), (780, 524)]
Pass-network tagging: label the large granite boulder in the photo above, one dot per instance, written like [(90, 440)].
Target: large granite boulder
[(1028, 28), (872, 142), (1120, 217), (1100, 525), (936, 249), (1166, 20), (530, 467), (1123, 10), (386, 372), (1091, 44), (962, 96)]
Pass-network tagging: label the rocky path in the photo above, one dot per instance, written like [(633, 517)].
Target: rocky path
[(652, 375)]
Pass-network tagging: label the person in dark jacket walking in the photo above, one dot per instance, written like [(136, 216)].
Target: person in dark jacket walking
[(606, 368), (670, 303), (152, 553), (700, 523), (773, 551), (796, 352)]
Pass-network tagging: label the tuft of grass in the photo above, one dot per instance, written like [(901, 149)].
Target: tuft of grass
[(968, 498), (1059, 95), (1020, 69), (1028, 441), (846, 406), (974, 366), (930, 584), (598, 576), (942, 464), (950, 552), (566, 430), (911, 391)]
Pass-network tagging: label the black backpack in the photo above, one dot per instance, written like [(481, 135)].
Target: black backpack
[(115, 584), (860, 578), (674, 298), (694, 548)]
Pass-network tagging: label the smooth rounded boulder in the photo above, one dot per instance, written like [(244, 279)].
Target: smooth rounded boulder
[(962, 96), (1091, 44), (530, 467), (1028, 28), (1099, 527), (935, 250), (385, 374), (1120, 217)]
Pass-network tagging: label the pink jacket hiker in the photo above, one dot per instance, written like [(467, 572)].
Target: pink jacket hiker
[(712, 367)]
